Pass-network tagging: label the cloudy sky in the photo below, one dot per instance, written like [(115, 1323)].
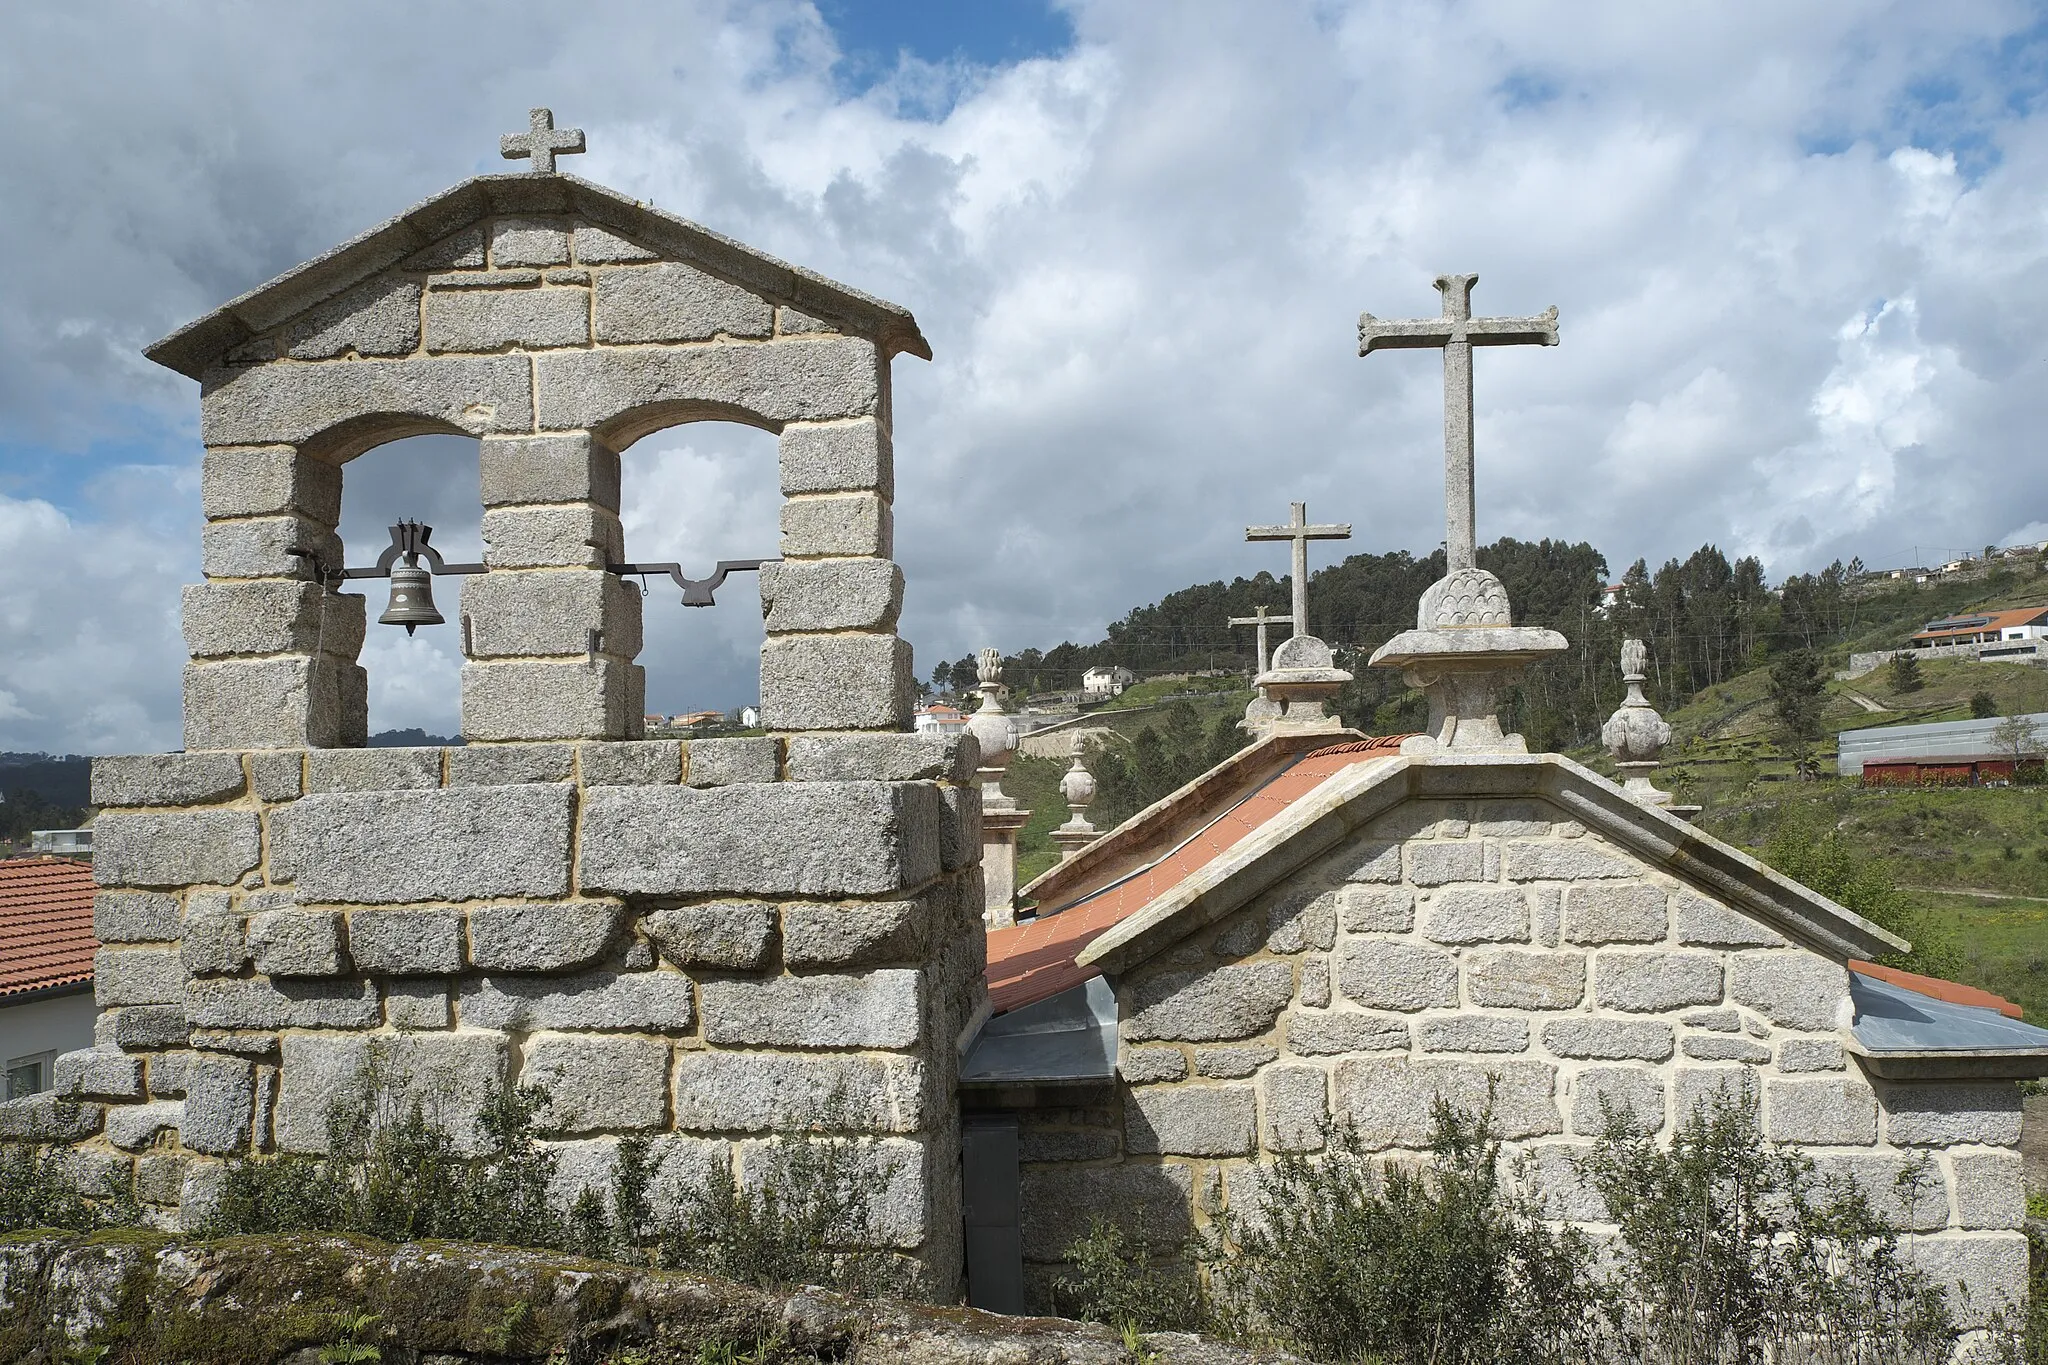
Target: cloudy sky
[(1796, 250)]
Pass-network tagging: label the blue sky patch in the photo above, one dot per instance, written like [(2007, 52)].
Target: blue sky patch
[(874, 33)]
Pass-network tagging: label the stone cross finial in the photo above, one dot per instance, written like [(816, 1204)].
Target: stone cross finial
[(1457, 332), (1301, 533), (542, 141), (1261, 620)]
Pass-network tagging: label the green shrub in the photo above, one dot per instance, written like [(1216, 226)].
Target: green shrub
[(1345, 1258), (1820, 858), (1733, 1250), (41, 1189), (1114, 1280)]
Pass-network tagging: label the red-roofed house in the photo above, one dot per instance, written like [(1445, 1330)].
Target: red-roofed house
[(46, 952)]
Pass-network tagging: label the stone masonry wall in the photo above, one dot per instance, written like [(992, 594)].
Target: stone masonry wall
[(558, 343), (1456, 942), (713, 942)]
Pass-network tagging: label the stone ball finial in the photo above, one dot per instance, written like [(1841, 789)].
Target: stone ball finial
[(1078, 784), (1635, 735), (1464, 598)]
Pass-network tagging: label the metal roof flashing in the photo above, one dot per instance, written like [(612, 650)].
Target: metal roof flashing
[(1067, 1038), (1902, 1034)]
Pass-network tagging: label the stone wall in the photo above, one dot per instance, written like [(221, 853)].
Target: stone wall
[(1455, 943), (713, 942)]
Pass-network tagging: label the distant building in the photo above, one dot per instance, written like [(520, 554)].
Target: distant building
[(1610, 598), (1951, 753), (46, 952), (939, 719), (690, 720), (73, 842), (750, 717), (1099, 684), (1982, 628)]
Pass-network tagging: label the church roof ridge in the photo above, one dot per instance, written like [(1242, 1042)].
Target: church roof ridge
[(203, 343)]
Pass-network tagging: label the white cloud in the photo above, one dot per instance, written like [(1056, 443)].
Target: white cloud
[(1799, 300)]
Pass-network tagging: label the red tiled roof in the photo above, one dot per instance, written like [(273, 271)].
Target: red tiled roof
[(1988, 621), (1034, 960), (1954, 992), (45, 924)]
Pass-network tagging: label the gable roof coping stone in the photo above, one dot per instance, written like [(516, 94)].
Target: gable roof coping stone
[(203, 344)]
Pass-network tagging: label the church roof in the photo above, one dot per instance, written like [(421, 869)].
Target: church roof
[(46, 938), (201, 345)]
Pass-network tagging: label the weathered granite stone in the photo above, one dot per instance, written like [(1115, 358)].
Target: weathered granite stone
[(166, 779), (595, 246), (1315, 981), (852, 935), (1434, 864), (263, 616), (284, 703), (1599, 1091), (406, 942), (541, 469), (1233, 1063), (1380, 974), (465, 843), (598, 1084), (1831, 1111), (258, 1044), (832, 594), (1144, 1065), (1809, 1054), (1323, 1035), (1574, 860), (482, 320), (1793, 988), (1515, 979), (1711, 924), (631, 763), (840, 457), (857, 524), (1301, 920), (1981, 1273), (220, 1105), (835, 682), (378, 318), (751, 1092), (1368, 860), (541, 699), (1390, 1100), (1715, 1047), (277, 775), (577, 536), (1191, 1120), (255, 481), (1946, 1115), (1616, 912), (160, 1177), (878, 1009), (416, 1004), (297, 943), (892, 1172), (1471, 914), (1911, 1197), (724, 762), (1990, 1189), (92, 1073), (1218, 1005), (1377, 910), (497, 765), (797, 380), (1561, 1184), (214, 941), (1607, 1039), (450, 1074), (1296, 1106), (679, 1165), (49, 1117), (140, 1027), (1473, 1033), (137, 976), (261, 404), (883, 758), (1719, 1020), (670, 301), (261, 547), (550, 612), (228, 1003), (735, 935), (1649, 981), (529, 241), (555, 937), (793, 838), (135, 917), (654, 1002), (189, 848)]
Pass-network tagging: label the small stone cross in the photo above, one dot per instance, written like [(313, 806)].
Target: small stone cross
[(1261, 621), (1301, 533), (542, 141), (1457, 332)]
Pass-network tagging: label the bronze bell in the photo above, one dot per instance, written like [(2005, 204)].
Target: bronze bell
[(412, 599)]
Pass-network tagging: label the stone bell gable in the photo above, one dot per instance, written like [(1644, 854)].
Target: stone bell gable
[(1509, 930), (559, 322)]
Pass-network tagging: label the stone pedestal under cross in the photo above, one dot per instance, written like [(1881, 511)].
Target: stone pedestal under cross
[(1262, 620), (1465, 648), (1301, 678)]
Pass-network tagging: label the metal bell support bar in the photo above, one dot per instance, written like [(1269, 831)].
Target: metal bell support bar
[(412, 587), (696, 591)]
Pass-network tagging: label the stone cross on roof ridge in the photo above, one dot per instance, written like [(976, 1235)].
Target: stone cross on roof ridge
[(1456, 333), (1261, 620), (542, 141), (1301, 533)]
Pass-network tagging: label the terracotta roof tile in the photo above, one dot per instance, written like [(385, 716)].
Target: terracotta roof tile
[(1954, 992), (1034, 960), (45, 924)]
